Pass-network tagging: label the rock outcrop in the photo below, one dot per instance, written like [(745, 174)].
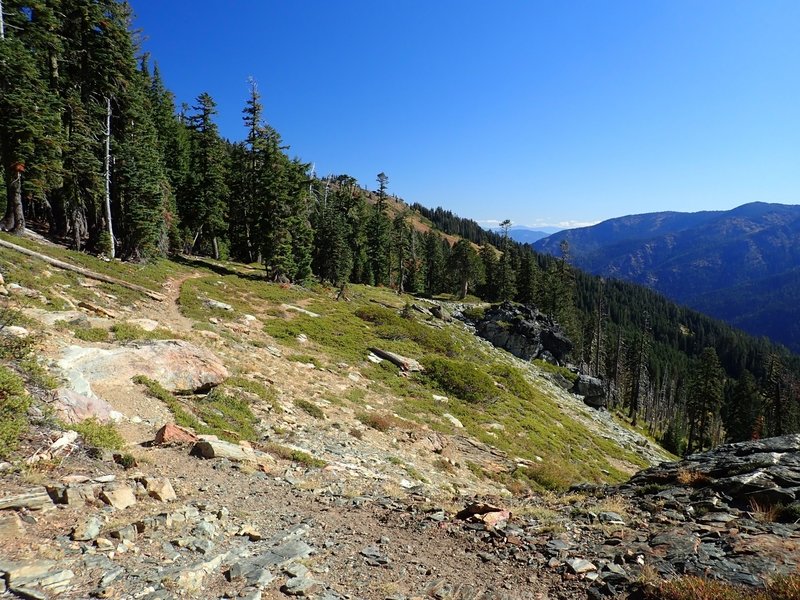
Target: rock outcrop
[(764, 472), (177, 365), (525, 332), (592, 390)]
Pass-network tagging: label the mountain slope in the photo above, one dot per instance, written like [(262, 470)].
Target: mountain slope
[(724, 263)]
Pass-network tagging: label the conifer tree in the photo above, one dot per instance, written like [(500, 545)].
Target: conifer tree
[(744, 409), (703, 398), (489, 286), (142, 188), (465, 267), (202, 203), (505, 277), (434, 263), (527, 281), (378, 236), (28, 114)]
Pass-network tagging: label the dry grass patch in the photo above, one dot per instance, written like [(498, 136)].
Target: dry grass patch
[(692, 478), (699, 588), (379, 421)]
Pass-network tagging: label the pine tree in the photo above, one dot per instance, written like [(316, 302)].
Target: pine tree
[(28, 113), (506, 279), (465, 267), (142, 188), (527, 280), (703, 398), (434, 263), (378, 236), (202, 203), (489, 286), (744, 408), (333, 255)]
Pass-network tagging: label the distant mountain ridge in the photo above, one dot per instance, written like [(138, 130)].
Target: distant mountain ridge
[(528, 235), (740, 265)]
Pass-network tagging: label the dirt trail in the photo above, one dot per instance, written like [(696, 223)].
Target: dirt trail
[(168, 312)]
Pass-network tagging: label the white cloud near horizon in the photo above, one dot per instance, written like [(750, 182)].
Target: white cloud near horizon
[(538, 223)]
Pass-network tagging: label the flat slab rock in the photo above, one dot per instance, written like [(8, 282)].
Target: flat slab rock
[(235, 452), (177, 365)]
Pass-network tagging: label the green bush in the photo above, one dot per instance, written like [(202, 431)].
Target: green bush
[(91, 334), (391, 326), (474, 313), (310, 408), (13, 411), (228, 416), (219, 413), (101, 435), (305, 358), (460, 379), (556, 370)]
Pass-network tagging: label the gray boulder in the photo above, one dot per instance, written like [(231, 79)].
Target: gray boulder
[(524, 331), (592, 390)]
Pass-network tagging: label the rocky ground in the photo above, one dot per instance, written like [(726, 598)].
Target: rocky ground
[(357, 512)]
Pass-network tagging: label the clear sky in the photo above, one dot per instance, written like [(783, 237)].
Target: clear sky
[(545, 112)]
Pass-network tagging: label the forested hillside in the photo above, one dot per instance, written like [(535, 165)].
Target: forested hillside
[(95, 153), (737, 265)]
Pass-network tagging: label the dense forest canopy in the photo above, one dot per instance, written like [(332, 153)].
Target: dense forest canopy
[(95, 152)]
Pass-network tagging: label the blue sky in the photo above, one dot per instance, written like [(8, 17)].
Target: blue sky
[(543, 112)]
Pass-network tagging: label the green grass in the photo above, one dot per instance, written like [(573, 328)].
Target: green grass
[(499, 394), (50, 280), (91, 334), (182, 417), (260, 392), (462, 379), (100, 435), (14, 406), (556, 370), (298, 456), (305, 358), (221, 412), (310, 408)]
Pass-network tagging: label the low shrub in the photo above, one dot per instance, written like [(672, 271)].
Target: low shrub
[(460, 379), (298, 456), (100, 435), (14, 406), (305, 358), (91, 334), (378, 421), (310, 408)]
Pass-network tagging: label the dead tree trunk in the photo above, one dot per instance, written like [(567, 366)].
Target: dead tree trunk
[(107, 165)]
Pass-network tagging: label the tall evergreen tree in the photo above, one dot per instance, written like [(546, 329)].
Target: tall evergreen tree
[(28, 112), (378, 236), (465, 267), (202, 203), (744, 409), (527, 281), (434, 263), (704, 398), (506, 278)]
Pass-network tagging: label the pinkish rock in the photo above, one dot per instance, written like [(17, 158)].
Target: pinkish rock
[(73, 407), (172, 434)]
